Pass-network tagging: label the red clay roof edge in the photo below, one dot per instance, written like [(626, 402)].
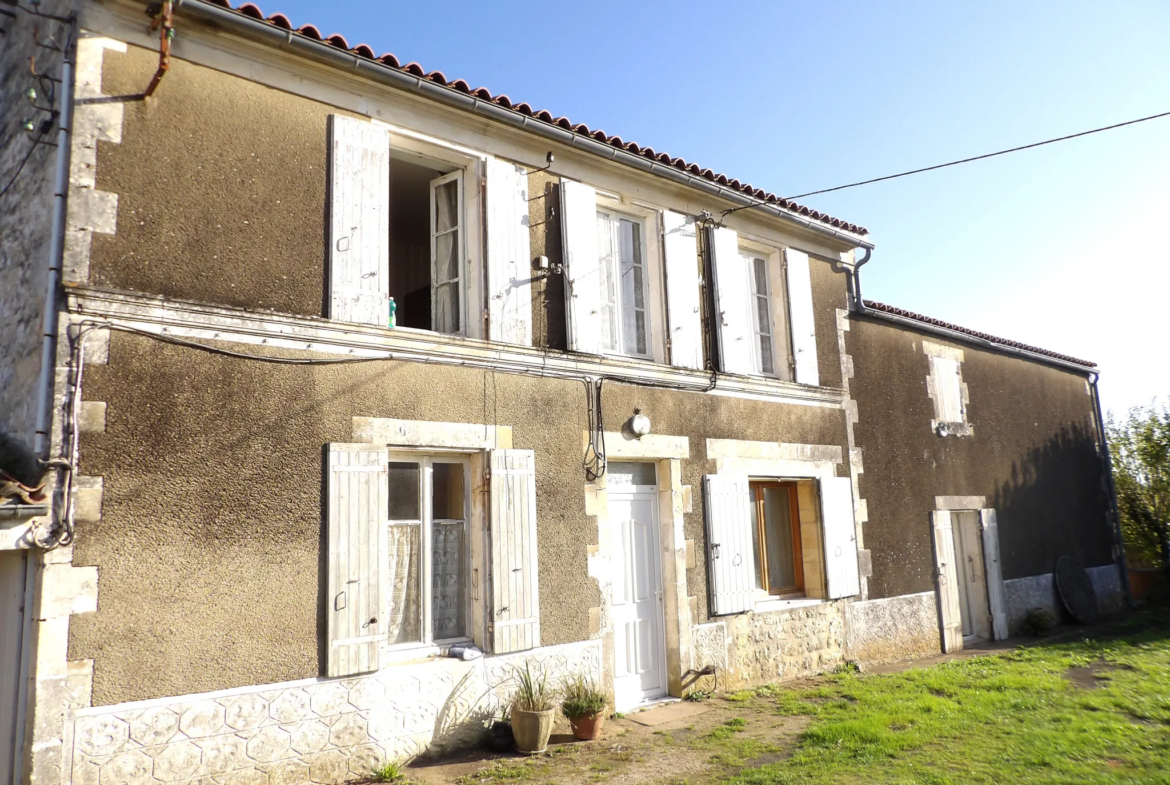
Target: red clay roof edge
[(917, 317), (252, 11)]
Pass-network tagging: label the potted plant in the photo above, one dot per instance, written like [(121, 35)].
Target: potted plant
[(532, 711), (584, 706)]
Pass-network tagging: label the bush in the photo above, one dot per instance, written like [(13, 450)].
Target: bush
[(582, 698), (1038, 621)]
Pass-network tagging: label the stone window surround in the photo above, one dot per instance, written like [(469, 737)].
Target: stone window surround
[(938, 427), (778, 460)]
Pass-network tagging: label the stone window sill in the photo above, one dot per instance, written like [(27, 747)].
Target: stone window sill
[(772, 604)]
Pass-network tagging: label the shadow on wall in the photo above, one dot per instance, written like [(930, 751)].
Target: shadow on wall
[(1055, 504)]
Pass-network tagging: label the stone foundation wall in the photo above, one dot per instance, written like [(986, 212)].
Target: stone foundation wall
[(897, 628), (784, 644), (1039, 591), (320, 731)]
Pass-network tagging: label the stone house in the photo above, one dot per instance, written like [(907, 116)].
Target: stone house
[(347, 367)]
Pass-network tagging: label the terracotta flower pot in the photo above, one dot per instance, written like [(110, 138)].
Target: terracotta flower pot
[(532, 729), (587, 728)]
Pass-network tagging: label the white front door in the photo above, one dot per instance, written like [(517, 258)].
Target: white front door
[(12, 567), (639, 650)]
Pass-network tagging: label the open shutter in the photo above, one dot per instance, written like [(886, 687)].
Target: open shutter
[(682, 290), (949, 614), (508, 254), (733, 319), (841, 574), (515, 595), (359, 221), (730, 553), (800, 317), (995, 598), (582, 266), (358, 551), (949, 387)]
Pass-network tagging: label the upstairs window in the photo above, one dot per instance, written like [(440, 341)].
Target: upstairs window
[(760, 308), (623, 284), (947, 390)]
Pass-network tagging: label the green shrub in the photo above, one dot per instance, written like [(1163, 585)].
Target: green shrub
[(389, 772), (1038, 621)]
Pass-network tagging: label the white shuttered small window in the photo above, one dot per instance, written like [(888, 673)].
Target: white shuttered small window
[(948, 382), (515, 611)]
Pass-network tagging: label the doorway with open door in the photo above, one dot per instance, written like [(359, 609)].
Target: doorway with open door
[(971, 603), (637, 598)]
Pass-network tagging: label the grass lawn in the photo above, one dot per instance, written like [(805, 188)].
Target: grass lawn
[(1081, 711)]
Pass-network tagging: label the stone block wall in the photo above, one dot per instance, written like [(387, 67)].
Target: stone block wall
[(1039, 592), (319, 731), (892, 629), (784, 644)]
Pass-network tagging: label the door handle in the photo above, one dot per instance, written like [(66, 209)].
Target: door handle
[(339, 602)]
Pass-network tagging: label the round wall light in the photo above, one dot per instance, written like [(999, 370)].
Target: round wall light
[(639, 424)]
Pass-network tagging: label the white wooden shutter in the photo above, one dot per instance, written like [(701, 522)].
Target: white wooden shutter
[(508, 255), (995, 594), (682, 290), (358, 550), (800, 317), (582, 266), (733, 318), (730, 553), (948, 387), (949, 614), (841, 573), (515, 593), (359, 221)]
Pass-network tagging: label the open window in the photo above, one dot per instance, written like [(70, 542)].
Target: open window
[(777, 538), (428, 257), (760, 307), (625, 316)]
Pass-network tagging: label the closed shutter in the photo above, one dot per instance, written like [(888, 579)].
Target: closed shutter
[(358, 550), (508, 254), (995, 597), (682, 290), (582, 266), (730, 553), (949, 614), (733, 320), (359, 221), (515, 593), (948, 387), (841, 574), (800, 317)]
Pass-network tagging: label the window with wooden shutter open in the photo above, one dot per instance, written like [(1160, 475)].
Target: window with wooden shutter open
[(731, 556), (733, 322), (949, 390), (841, 573), (357, 580), (508, 254), (359, 221), (800, 317), (995, 594), (947, 575), (582, 266), (682, 290), (515, 620)]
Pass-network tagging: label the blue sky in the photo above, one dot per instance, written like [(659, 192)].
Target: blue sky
[(1063, 247)]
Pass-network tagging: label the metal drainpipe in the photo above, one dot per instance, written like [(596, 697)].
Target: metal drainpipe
[(56, 254), (858, 304), (1107, 462)]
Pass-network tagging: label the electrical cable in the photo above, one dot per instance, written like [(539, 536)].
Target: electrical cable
[(955, 163), (20, 167)]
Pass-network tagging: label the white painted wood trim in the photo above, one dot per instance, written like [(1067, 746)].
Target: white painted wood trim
[(509, 259), (680, 249), (582, 266), (730, 554), (801, 321), (996, 602), (947, 580), (838, 525), (733, 326), (205, 322)]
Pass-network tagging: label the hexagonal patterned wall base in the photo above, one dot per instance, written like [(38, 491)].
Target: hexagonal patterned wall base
[(321, 731)]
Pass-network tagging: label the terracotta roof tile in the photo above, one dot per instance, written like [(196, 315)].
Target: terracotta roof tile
[(917, 317), (281, 21)]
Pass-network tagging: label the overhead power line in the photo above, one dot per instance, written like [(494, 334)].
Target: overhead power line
[(980, 157)]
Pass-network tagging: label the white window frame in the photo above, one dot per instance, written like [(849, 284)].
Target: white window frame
[(426, 461), (463, 267), (653, 275), (750, 257), (778, 292), (423, 150), (766, 600)]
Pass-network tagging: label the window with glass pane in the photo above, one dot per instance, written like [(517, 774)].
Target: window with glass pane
[(428, 550), (447, 253), (761, 310), (779, 559), (623, 283)]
